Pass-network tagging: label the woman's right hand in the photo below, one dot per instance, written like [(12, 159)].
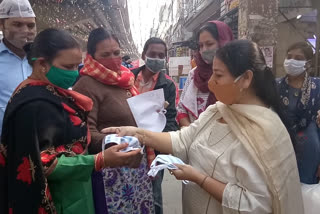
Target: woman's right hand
[(122, 131), (113, 157)]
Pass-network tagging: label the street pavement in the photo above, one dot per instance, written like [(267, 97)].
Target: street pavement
[(171, 192)]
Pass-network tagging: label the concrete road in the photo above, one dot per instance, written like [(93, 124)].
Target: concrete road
[(171, 192)]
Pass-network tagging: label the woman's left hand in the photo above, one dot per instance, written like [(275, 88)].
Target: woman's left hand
[(187, 172)]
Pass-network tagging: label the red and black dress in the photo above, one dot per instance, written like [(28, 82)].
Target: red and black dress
[(43, 166)]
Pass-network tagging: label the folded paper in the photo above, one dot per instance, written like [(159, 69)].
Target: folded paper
[(148, 110)]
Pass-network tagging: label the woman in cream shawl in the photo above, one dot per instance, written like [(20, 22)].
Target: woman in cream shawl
[(240, 156)]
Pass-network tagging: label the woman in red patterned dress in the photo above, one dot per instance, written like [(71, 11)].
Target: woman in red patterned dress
[(44, 166)]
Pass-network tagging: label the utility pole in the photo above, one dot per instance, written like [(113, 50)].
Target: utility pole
[(257, 22)]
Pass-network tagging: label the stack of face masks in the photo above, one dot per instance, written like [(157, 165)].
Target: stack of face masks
[(113, 139), (164, 162)]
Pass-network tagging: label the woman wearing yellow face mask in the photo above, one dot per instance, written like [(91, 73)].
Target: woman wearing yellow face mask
[(240, 153)]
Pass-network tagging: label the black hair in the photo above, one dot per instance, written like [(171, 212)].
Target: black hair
[(125, 58), (243, 55), (304, 47), (211, 28), (48, 43), (96, 36), (154, 40)]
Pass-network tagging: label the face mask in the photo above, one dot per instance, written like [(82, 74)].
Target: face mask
[(62, 78), (294, 67), (208, 56), (227, 93), (114, 64), (155, 65)]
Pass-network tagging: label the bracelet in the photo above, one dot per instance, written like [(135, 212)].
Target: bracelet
[(97, 162), (203, 181), (143, 137), (102, 160)]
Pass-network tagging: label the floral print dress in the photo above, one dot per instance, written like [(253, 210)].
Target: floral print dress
[(129, 191), (300, 108)]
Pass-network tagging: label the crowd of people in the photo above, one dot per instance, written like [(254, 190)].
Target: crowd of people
[(248, 139)]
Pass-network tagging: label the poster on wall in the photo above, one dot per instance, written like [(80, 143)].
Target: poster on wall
[(231, 4), (268, 55)]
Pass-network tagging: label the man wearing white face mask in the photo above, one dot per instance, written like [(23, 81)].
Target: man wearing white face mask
[(151, 77), (300, 98), (18, 24)]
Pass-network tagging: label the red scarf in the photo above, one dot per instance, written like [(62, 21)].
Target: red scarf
[(124, 78), (83, 102)]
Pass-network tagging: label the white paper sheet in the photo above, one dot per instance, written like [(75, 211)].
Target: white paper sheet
[(148, 110)]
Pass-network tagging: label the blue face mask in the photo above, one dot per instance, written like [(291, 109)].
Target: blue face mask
[(155, 65)]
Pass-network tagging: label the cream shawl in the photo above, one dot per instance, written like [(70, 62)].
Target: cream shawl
[(265, 137)]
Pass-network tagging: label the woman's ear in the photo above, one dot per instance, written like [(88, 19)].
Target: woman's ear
[(247, 79), (42, 65)]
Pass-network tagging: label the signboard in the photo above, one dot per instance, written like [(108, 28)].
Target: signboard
[(182, 81), (179, 63)]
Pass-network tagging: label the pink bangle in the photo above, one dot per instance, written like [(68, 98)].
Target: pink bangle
[(98, 162), (95, 162)]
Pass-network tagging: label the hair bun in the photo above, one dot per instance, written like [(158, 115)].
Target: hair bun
[(268, 69)]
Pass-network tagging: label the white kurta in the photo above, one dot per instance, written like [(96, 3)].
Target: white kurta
[(214, 150)]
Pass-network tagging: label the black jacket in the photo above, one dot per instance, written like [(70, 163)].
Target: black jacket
[(170, 93)]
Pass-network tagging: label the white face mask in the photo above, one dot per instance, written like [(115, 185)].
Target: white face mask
[(294, 67)]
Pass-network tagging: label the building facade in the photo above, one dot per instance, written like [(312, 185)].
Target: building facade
[(80, 17), (273, 24)]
